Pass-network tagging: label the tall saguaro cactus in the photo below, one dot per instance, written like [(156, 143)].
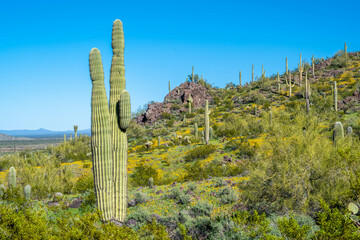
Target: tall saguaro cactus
[(108, 130), (335, 97), (345, 49), (289, 83), (278, 82), (12, 178), (190, 101), (196, 131), (240, 78), (313, 66), (207, 122), (169, 87), (301, 69), (192, 74), (75, 131), (262, 71), (307, 94), (338, 132)]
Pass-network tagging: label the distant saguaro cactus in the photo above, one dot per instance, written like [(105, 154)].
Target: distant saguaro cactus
[(286, 66), (64, 138), (289, 83), (252, 74), (262, 71), (345, 49), (108, 130), (278, 82), (211, 133), (196, 131), (151, 182), (12, 178), (159, 140), (349, 130), (190, 101), (338, 132), (307, 94), (335, 97), (75, 132), (169, 87), (27, 192), (313, 65), (240, 78), (192, 74), (207, 122), (301, 69)]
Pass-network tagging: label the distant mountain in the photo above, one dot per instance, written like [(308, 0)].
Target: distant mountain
[(4, 137), (42, 133)]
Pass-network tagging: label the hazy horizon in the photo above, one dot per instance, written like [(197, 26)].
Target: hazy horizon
[(44, 47)]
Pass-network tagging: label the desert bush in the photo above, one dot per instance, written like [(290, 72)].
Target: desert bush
[(200, 152), (142, 173), (201, 208), (170, 123), (233, 126), (227, 196)]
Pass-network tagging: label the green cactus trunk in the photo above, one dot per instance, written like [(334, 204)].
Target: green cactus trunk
[(101, 147), (289, 83), (27, 192), (211, 133), (196, 131), (108, 128), (338, 132), (169, 87), (240, 78), (12, 178), (252, 74), (75, 132), (190, 101), (278, 82), (262, 71), (313, 65), (301, 69), (349, 130), (307, 94), (345, 49), (192, 74), (159, 141), (207, 122), (64, 138), (335, 97)]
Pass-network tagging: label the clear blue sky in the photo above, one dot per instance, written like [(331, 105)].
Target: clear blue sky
[(44, 47)]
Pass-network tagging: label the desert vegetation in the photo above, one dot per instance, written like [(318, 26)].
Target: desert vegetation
[(274, 158)]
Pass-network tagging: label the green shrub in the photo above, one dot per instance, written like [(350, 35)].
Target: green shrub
[(200, 152), (140, 197), (290, 229), (142, 173), (169, 123), (227, 196), (154, 231), (201, 208)]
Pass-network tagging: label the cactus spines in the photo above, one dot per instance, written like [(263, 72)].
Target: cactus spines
[(207, 122), (190, 101), (252, 74), (349, 130), (75, 132), (159, 141), (12, 178), (338, 131), (27, 192), (307, 94), (335, 97), (151, 182), (196, 131), (353, 208), (192, 74), (240, 78), (289, 83), (278, 82), (108, 130), (286, 66)]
